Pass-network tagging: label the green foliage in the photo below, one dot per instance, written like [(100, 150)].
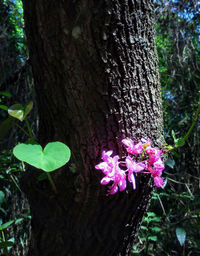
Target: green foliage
[(12, 50), (17, 21), (148, 234), (9, 174), (54, 156), (160, 233)]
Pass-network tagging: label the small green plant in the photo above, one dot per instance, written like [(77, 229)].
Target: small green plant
[(9, 171), (55, 154), (5, 245), (148, 235)]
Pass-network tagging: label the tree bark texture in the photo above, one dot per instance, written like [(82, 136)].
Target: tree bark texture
[(96, 80)]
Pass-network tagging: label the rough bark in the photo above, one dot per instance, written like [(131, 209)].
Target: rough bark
[(96, 79)]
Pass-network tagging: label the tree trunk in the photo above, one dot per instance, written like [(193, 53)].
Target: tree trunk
[(96, 80)]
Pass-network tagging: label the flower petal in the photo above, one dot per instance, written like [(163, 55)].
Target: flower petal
[(159, 182), (159, 165), (133, 166), (101, 166), (122, 185), (131, 178), (105, 180), (113, 189)]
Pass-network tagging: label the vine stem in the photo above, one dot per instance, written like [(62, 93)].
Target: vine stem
[(194, 122), (195, 119), (19, 126), (52, 183), (3, 236), (4, 240), (29, 129)]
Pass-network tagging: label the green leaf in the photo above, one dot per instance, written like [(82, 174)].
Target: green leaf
[(4, 107), (144, 228), (22, 242), (6, 225), (28, 108), (7, 94), (170, 162), (180, 142), (176, 154), (54, 155), (2, 196), (152, 238), (156, 229), (151, 214), (18, 220), (155, 219), (173, 135), (181, 235), (16, 111)]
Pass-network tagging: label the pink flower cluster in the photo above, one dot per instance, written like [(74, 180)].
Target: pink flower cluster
[(142, 158)]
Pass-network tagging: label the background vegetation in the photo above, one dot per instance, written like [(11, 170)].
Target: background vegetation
[(171, 226)]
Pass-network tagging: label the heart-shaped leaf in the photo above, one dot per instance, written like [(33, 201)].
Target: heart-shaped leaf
[(16, 111), (55, 155)]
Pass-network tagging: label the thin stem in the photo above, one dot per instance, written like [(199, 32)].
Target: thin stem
[(52, 183), (162, 206), (15, 182), (29, 129), (194, 122), (3, 236), (19, 126), (4, 240), (190, 129)]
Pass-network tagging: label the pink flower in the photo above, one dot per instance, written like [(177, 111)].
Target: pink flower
[(159, 165), (149, 160), (159, 182), (131, 147), (110, 167), (156, 168), (154, 153), (133, 167), (106, 155)]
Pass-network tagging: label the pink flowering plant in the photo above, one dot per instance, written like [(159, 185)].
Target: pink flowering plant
[(141, 158)]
